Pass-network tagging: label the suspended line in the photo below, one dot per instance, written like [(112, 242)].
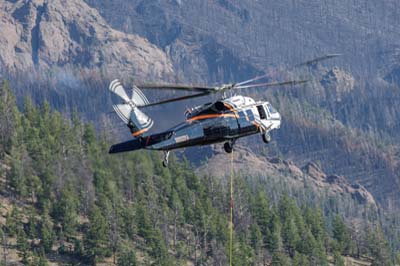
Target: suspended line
[(231, 213)]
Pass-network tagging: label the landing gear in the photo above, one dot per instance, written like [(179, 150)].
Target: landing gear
[(266, 137), (165, 161), (228, 146)]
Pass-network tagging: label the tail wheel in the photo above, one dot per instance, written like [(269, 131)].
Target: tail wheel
[(228, 147), (165, 161), (266, 137)]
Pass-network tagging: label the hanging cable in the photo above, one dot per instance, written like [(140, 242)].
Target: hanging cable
[(231, 213)]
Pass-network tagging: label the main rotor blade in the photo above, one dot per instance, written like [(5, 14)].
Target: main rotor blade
[(176, 87), (177, 99), (271, 84), (318, 59), (309, 62), (251, 80)]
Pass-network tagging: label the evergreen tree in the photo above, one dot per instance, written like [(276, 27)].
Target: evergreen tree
[(46, 234), (274, 240), (242, 254), (261, 214), (127, 258), (280, 259), (338, 259), (378, 247), (64, 211), (13, 221), (256, 238), (96, 237), (23, 246), (300, 260), (9, 118), (341, 234), (144, 225)]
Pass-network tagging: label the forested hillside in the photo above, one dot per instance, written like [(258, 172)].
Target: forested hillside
[(335, 159), (346, 118), (65, 200)]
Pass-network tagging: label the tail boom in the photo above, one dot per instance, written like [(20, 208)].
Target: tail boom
[(131, 145)]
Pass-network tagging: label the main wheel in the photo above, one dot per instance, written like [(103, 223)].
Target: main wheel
[(228, 147), (266, 137)]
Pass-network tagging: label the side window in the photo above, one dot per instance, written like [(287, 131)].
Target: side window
[(250, 115), (261, 112)]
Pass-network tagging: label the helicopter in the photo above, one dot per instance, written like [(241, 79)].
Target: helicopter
[(223, 120)]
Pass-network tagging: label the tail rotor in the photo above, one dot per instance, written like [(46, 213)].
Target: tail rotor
[(128, 111)]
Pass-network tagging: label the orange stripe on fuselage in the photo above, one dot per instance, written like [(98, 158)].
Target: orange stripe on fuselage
[(257, 125), (201, 117), (231, 109), (140, 132)]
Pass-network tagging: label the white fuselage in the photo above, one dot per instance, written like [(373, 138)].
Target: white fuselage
[(264, 113)]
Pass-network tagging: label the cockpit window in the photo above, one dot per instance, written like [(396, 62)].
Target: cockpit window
[(271, 109), (261, 112)]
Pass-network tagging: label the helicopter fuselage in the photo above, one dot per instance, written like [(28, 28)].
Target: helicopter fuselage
[(221, 121)]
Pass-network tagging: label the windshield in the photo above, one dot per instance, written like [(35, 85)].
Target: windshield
[(271, 109)]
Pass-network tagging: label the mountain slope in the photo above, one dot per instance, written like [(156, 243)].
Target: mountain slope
[(229, 41), (44, 35), (308, 182), (64, 201)]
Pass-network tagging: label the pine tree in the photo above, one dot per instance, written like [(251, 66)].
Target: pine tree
[(341, 234), (243, 254), (256, 239), (275, 238), (46, 234), (378, 247), (9, 118), (12, 221), (338, 259), (261, 214), (177, 214), (64, 211), (127, 258), (144, 226), (23, 246), (300, 260), (280, 259), (95, 239)]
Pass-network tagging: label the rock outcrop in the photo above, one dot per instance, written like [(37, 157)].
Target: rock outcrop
[(310, 176), (43, 35)]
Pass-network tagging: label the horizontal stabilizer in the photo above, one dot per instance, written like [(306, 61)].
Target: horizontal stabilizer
[(131, 145)]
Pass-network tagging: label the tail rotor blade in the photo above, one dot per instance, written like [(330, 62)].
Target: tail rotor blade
[(116, 87), (123, 111)]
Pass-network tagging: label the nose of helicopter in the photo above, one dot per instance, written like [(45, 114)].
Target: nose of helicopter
[(278, 120)]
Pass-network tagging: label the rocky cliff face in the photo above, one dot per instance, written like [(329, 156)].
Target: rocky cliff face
[(44, 35), (309, 178)]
